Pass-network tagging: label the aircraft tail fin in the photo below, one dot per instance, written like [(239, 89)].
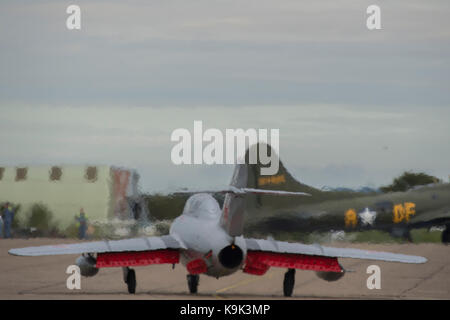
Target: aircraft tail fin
[(281, 180), (243, 182)]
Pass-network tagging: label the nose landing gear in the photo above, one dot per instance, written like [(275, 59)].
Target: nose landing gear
[(289, 282)]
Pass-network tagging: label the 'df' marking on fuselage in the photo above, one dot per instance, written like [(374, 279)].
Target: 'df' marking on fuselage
[(403, 212)]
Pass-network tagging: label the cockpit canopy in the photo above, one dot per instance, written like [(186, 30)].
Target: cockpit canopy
[(202, 205)]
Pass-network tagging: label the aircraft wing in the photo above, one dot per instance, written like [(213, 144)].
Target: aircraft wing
[(144, 244), (262, 254), (242, 191)]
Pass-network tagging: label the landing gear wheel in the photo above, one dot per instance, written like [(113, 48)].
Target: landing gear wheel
[(289, 282), (446, 235), (408, 236), (192, 280), (402, 232), (131, 281)]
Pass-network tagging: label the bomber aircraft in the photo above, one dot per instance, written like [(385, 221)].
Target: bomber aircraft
[(394, 212), (209, 240)]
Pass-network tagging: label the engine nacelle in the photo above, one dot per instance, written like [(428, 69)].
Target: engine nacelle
[(87, 266), (330, 276), (231, 256)]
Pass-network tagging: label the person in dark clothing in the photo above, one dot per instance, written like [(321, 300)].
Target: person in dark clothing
[(1, 225), (137, 211), (8, 216), (82, 224)]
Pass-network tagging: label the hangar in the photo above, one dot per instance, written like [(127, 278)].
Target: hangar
[(105, 192)]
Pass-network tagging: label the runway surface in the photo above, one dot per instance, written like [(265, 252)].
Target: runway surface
[(45, 278)]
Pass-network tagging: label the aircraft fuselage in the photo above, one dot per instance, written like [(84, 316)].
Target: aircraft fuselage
[(208, 245), (326, 211)]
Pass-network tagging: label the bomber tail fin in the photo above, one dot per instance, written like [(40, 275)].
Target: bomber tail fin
[(247, 179), (282, 180)]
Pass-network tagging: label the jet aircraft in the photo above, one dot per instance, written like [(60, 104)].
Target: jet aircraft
[(209, 240)]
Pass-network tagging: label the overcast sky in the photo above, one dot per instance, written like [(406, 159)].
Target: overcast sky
[(354, 107)]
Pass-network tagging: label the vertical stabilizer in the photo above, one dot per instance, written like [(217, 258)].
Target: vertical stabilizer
[(249, 175), (281, 180), (232, 219)]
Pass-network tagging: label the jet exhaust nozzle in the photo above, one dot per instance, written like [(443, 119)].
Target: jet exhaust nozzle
[(87, 266), (231, 256)]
